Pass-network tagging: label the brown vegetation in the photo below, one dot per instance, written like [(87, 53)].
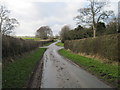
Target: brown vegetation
[(103, 46), (16, 46)]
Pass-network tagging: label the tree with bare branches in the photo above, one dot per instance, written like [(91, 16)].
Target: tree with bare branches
[(44, 32), (7, 24), (94, 14), (64, 33)]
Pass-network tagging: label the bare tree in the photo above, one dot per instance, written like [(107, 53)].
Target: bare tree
[(64, 33), (44, 32), (7, 25), (93, 14)]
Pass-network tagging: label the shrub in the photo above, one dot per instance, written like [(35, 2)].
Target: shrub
[(104, 46), (15, 46)]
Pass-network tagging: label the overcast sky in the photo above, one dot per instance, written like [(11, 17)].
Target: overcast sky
[(32, 14)]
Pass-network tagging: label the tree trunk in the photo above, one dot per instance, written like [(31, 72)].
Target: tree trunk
[(94, 31), (1, 24), (93, 14)]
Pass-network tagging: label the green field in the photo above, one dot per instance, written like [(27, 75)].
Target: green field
[(17, 73), (60, 44), (107, 72), (30, 38)]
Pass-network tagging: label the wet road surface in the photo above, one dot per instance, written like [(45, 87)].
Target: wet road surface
[(59, 72)]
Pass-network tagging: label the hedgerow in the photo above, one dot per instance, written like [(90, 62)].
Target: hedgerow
[(16, 46), (104, 46)]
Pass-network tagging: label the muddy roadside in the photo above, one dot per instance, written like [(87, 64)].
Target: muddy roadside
[(35, 78)]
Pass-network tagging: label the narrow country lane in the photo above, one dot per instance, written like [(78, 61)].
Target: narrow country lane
[(59, 72)]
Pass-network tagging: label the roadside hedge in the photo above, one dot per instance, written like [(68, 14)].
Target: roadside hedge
[(104, 46), (16, 46)]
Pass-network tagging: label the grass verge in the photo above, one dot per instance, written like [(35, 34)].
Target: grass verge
[(104, 71), (17, 73), (60, 44)]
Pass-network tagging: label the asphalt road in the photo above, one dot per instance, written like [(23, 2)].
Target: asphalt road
[(59, 72)]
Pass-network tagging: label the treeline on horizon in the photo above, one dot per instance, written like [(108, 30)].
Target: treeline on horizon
[(83, 32)]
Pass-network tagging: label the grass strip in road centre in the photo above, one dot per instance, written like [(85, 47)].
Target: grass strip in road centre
[(60, 44), (16, 74), (105, 71)]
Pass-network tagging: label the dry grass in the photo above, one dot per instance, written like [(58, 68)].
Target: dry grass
[(103, 47)]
